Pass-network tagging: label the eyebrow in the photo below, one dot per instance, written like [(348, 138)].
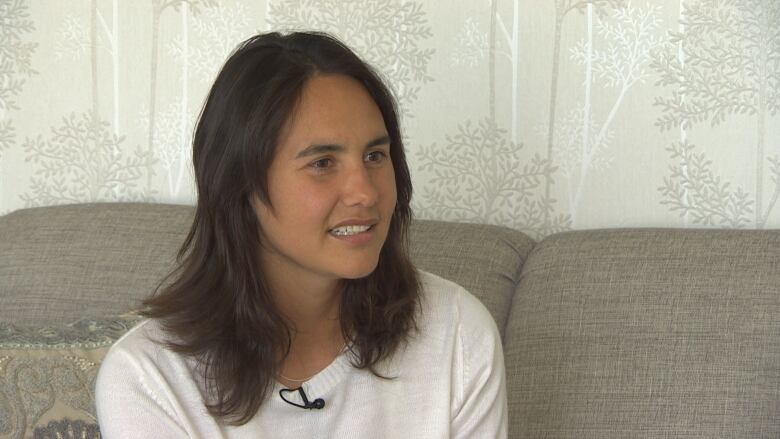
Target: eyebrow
[(332, 147)]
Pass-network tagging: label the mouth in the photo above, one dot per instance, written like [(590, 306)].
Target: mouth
[(350, 230)]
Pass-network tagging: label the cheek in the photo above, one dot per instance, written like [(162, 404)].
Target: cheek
[(303, 205), (389, 189)]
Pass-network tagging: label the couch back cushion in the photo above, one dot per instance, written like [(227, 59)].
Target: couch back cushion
[(647, 333), (63, 263), (484, 259), (60, 264)]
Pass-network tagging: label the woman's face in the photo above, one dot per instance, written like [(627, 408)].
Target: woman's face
[(331, 187)]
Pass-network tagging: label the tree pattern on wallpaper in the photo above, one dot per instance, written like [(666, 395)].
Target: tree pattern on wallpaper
[(510, 52), (481, 176), (15, 65), (389, 34), (719, 68), (199, 51), (562, 9), (173, 137), (83, 161), (692, 182), (618, 60), (15, 56), (72, 39), (76, 40), (470, 45), (158, 8), (212, 35), (732, 67)]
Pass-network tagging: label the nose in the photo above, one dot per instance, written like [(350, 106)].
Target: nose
[(359, 187)]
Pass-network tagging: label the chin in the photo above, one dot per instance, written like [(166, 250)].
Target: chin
[(359, 271)]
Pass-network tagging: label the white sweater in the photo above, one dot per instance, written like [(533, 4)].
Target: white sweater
[(449, 383)]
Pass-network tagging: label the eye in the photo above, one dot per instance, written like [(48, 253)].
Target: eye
[(321, 164), (376, 156)]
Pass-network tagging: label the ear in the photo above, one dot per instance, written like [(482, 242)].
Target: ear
[(262, 208)]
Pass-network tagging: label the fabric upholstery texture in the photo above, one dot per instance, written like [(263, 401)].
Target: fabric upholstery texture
[(97, 260), (486, 260), (647, 333), (47, 377)]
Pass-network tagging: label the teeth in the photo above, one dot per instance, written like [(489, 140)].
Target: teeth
[(349, 230)]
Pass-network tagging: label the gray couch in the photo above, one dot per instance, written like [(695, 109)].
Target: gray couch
[(658, 333)]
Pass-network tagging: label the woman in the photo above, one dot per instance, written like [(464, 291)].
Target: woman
[(295, 311)]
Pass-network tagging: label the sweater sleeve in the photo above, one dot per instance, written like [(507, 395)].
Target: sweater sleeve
[(481, 411), (127, 405)]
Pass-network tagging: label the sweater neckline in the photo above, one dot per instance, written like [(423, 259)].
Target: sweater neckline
[(321, 383)]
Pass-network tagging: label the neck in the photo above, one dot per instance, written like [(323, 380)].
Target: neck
[(309, 309), (310, 304), (313, 316)]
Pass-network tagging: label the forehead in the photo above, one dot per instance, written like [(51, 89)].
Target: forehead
[(334, 109)]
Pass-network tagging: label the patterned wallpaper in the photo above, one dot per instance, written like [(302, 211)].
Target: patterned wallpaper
[(541, 115)]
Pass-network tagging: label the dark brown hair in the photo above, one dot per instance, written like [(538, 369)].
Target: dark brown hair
[(216, 306)]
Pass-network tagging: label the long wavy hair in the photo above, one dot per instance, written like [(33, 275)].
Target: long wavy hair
[(216, 306)]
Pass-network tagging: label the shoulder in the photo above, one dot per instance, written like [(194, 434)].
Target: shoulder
[(444, 301), (142, 355), (476, 378), (454, 324), (144, 389), (146, 339)]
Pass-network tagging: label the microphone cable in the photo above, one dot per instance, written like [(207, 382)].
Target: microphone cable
[(317, 404)]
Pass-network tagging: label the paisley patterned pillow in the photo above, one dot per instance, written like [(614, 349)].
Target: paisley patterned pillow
[(47, 377)]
